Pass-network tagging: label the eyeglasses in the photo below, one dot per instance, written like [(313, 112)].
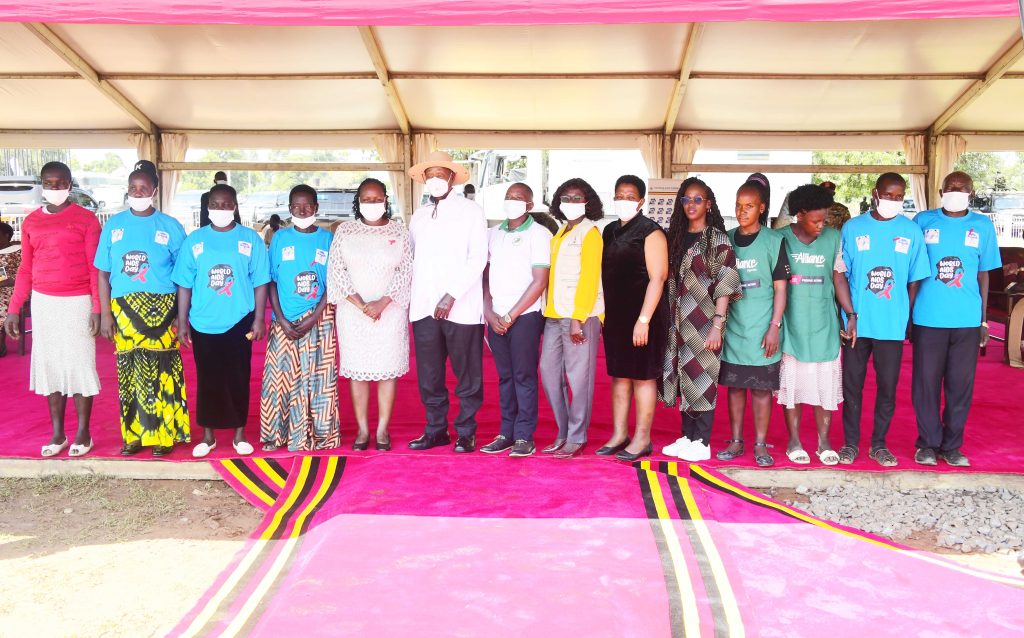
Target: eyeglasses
[(698, 200), (295, 208), (572, 199)]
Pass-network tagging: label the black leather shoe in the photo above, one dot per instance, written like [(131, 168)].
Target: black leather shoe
[(427, 441), (383, 446), (608, 450), (465, 444), (629, 458), (360, 446)]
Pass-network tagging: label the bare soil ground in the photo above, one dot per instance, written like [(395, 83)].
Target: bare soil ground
[(93, 556)]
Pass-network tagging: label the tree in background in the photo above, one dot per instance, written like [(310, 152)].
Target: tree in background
[(851, 187), (110, 163), (984, 168)]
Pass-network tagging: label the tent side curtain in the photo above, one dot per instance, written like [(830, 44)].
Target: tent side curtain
[(684, 148), (913, 147), (652, 148), (423, 144), (389, 147), (173, 148), (948, 149), (416, 12)]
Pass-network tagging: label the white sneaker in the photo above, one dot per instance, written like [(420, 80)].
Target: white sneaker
[(695, 452), (674, 449), (202, 450)]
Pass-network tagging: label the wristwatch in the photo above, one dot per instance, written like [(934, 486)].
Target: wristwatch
[(984, 324), (507, 318), (777, 324), (852, 314), (644, 319)]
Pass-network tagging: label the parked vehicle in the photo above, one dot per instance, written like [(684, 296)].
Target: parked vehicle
[(19, 196), (185, 208), (256, 205), (109, 191)]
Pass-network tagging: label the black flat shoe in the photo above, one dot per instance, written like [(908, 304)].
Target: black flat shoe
[(629, 457), (131, 450), (383, 446), (163, 450), (360, 446), (465, 444), (427, 441), (609, 450)]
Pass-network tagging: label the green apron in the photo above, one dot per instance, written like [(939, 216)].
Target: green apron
[(750, 316), (810, 330)]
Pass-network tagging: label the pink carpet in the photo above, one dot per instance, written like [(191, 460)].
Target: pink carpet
[(992, 439), (363, 546)]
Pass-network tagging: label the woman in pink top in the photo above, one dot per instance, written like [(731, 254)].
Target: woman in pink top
[(58, 245)]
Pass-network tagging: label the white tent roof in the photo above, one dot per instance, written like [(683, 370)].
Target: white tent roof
[(763, 76)]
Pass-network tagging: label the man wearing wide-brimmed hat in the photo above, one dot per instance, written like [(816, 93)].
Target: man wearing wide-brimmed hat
[(449, 236)]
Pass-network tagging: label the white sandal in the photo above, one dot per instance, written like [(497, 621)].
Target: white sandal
[(203, 449), (244, 448), (798, 456), (80, 450), (55, 448), (828, 457)]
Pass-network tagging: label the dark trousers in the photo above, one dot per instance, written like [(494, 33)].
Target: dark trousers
[(516, 355), (223, 366), (886, 355), (944, 359), (697, 426), (437, 341)]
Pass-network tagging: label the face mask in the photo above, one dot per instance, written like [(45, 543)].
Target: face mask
[(888, 208), (221, 181), (222, 218), (372, 212), (56, 197), (514, 208), (955, 202), (573, 211), (303, 223), (140, 204), (471, 196), (437, 187), (625, 209)]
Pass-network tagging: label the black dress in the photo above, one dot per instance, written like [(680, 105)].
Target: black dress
[(624, 278)]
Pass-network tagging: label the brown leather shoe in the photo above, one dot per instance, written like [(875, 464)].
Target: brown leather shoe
[(554, 447), (570, 450)]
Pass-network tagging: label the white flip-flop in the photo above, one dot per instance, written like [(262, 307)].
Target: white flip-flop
[(55, 448), (202, 450), (80, 450), (799, 456), (244, 448), (828, 457)]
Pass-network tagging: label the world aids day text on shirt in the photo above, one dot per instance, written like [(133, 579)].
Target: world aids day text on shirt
[(958, 249), (220, 279), (298, 265), (139, 252), (882, 258)]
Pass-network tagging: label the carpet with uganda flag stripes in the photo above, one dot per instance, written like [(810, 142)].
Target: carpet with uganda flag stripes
[(440, 546)]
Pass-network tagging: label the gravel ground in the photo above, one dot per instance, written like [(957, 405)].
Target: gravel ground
[(986, 520)]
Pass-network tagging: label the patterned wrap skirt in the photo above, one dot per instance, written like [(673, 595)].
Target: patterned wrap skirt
[(150, 377), (299, 403)]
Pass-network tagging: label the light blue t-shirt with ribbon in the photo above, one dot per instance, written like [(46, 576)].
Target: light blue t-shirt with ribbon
[(882, 258), (958, 248), (298, 267), (139, 252), (223, 269)]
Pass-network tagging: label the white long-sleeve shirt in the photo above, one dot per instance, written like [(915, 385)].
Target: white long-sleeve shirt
[(449, 256)]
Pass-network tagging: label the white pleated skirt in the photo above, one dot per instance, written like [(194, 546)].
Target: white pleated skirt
[(819, 383), (63, 351)]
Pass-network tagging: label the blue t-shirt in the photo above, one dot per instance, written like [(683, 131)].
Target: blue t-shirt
[(881, 258), (139, 252), (298, 266), (223, 269), (958, 249)]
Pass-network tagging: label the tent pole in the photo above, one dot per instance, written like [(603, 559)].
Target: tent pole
[(406, 180)]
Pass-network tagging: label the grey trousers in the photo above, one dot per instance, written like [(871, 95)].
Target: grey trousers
[(567, 367)]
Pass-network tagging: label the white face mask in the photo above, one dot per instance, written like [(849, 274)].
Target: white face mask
[(955, 202), (573, 211), (625, 209), (140, 204), (887, 208), (222, 218), (514, 208), (371, 212), (221, 181), (303, 223), (437, 187), (470, 196), (56, 197)]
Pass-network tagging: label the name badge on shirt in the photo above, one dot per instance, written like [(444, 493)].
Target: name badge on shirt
[(972, 239), (288, 253), (321, 256), (197, 250), (902, 245), (245, 248), (116, 235), (161, 237), (863, 243), (931, 236)]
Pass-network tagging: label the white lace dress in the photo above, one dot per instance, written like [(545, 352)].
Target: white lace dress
[(373, 261)]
